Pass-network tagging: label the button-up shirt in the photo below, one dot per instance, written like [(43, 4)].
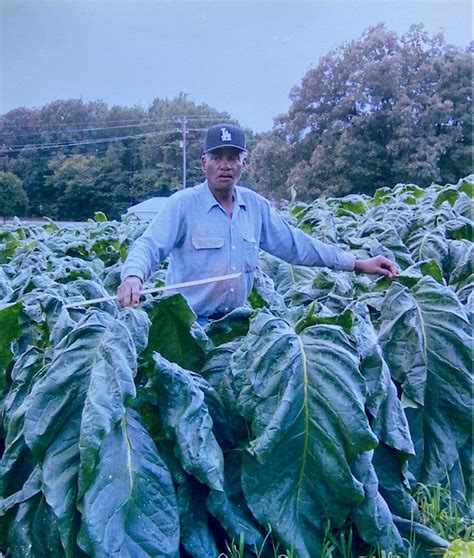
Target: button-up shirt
[(203, 241)]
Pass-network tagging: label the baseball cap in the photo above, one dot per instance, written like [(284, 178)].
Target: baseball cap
[(224, 135)]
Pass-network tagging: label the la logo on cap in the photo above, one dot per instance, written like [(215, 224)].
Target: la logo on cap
[(225, 135)]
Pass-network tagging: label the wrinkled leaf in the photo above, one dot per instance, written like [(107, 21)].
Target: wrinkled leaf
[(130, 508), (304, 398), (186, 418), (426, 339)]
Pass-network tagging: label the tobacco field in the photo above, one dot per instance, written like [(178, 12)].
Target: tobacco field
[(138, 433)]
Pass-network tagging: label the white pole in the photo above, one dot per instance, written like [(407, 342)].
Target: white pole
[(159, 289)]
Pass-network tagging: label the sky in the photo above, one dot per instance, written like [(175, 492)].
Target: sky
[(239, 56)]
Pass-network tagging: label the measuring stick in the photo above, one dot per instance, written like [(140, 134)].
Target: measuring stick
[(159, 289)]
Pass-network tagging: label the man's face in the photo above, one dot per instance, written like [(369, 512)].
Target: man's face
[(223, 167)]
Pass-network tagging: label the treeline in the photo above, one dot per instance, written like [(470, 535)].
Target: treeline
[(379, 110), (73, 158)]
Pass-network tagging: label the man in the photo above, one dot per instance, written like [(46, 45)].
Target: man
[(217, 228)]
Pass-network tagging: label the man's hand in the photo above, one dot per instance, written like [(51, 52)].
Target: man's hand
[(379, 264), (130, 290)]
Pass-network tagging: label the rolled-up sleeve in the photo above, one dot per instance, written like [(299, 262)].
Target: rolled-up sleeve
[(153, 247), (296, 247)]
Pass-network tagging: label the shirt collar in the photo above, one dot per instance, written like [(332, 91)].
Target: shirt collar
[(210, 201)]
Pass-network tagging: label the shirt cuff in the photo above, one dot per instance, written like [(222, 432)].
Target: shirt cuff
[(130, 271), (345, 262)]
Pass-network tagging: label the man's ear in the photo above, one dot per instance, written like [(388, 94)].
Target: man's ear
[(203, 163)]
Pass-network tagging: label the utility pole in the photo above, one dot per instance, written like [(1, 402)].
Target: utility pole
[(184, 132)]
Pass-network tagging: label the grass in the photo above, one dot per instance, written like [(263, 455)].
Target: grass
[(442, 513), (237, 550), (439, 511)]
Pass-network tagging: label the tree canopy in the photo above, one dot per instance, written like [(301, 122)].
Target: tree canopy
[(13, 196), (75, 158), (375, 112)]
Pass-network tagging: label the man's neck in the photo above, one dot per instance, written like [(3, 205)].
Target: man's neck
[(225, 198)]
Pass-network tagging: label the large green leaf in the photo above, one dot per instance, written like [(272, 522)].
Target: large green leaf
[(196, 536), (60, 469), (320, 223), (9, 242), (264, 295), (373, 517), (427, 245), (230, 327), (426, 339), (34, 532), (9, 331), (290, 278), (110, 389), (389, 421), (130, 507), (462, 274), (60, 393), (228, 506), (30, 488), (87, 382), (186, 418), (26, 366), (464, 206), (304, 398), (170, 332), (216, 371), (388, 243), (17, 463)]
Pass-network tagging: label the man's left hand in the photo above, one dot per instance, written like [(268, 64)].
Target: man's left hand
[(379, 264)]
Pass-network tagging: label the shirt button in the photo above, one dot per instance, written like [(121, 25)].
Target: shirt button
[(233, 247), (232, 290), (226, 309), (233, 268)]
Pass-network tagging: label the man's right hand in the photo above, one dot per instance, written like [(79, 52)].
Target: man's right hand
[(129, 291)]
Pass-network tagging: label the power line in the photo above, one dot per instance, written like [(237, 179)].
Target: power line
[(36, 155), (16, 148), (80, 130), (211, 118), (75, 131)]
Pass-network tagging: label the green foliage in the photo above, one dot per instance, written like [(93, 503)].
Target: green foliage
[(105, 159), (443, 513), (302, 428), (460, 549), (13, 196), (378, 110)]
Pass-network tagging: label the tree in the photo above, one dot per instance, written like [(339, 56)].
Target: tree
[(269, 161), (80, 186), (377, 111), (13, 196)]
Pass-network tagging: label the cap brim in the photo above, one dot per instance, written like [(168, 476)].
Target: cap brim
[(222, 146)]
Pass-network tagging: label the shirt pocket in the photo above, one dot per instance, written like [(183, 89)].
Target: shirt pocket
[(206, 256), (250, 252), (207, 242)]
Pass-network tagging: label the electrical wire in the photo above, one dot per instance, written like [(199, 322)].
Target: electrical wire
[(36, 155), (138, 122), (16, 148)]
